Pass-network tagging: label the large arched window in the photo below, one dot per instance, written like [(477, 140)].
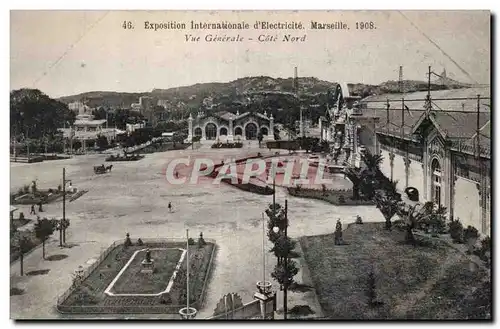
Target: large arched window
[(211, 131), (198, 132), (436, 181), (251, 131)]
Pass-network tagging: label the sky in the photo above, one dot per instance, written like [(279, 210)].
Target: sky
[(69, 52)]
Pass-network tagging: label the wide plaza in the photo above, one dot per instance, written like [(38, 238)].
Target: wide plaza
[(134, 199)]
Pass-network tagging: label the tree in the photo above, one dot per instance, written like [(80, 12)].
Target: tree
[(412, 218), (43, 229), (418, 216), (102, 142), (34, 115), (24, 245), (283, 246), (354, 175), (388, 206), (372, 161), (284, 276), (276, 219)]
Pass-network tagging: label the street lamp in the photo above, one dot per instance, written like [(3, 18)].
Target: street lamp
[(276, 230), (264, 286), (187, 312)]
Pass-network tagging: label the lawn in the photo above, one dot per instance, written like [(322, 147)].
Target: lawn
[(132, 281), (89, 297), (429, 281)]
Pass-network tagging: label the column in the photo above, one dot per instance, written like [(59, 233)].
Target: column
[(270, 134), (407, 169), (230, 131), (320, 129), (190, 128), (425, 168)]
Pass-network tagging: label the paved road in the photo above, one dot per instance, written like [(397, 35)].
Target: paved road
[(134, 197)]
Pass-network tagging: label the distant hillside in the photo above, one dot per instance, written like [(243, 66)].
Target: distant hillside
[(242, 90)]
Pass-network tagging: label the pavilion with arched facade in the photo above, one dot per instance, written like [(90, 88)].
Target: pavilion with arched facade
[(226, 126)]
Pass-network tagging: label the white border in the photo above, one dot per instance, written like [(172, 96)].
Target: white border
[(124, 268)]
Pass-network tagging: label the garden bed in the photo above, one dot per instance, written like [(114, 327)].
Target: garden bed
[(133, 282), (135, 157), (336, 197), (162, 147), (429, 282), (90, 296), (45, 196), (77, 195), (227, 145), (249, 187)]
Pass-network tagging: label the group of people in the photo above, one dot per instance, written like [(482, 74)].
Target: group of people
[(40, 209)]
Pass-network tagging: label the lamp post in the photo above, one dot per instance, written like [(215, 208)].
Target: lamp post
[(276, 230), (63, 223), (187, 312), (264, 287)]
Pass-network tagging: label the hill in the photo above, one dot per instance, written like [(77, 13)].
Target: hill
[(241, 91)]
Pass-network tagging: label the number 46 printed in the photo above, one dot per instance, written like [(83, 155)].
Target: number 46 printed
[(127, 25)]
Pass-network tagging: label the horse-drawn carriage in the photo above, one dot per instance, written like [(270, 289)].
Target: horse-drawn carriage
[(102, 169)]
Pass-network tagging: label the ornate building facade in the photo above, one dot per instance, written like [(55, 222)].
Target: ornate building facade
[(445, 155), (226, 126)]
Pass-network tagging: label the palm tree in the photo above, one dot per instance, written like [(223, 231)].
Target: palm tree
[(355, 176), (388, 206), (372, 161), (418, 216), (412, 218)]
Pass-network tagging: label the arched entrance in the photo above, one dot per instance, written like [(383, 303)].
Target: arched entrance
[(210, 131), (436, 181), (238, 131), (223, 131), (251, 131), (264, 131), (198, 132)]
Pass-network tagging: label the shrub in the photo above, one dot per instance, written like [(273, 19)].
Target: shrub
[(301, 310), (371, 291), (127, 242), (139, 242), (201, 241), (470, 233), (399, 224), (51, 191), (21, 215), (341, 199), (456, 231), (20, 192), (191, 242), (26, 189), (359, 220), (485, 250)]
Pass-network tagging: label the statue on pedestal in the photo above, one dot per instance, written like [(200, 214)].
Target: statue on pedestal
[(148, 263)]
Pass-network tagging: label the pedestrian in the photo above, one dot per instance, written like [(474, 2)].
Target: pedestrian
[(32, 211), (40, 206), (170, 207)]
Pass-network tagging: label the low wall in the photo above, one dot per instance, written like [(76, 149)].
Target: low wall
[(249, 310), (140, 305)]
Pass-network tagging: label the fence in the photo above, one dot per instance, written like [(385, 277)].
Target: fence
[(139, 305), (248, 311)]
